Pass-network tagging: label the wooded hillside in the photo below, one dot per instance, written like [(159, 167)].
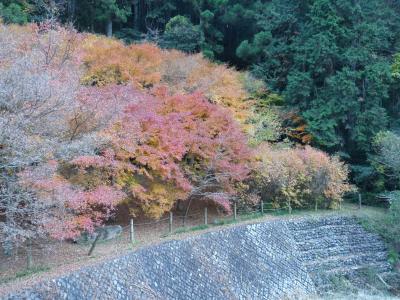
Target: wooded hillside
[(154, 103), (89, 123)]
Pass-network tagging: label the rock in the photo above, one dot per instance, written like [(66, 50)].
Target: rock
[(7, 248), (106, 233), (109, 232)]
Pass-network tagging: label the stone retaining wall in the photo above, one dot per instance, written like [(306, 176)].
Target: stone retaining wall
[(261, 261)]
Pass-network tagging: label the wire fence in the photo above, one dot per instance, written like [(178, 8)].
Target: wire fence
[(176, 223), (142, 232)]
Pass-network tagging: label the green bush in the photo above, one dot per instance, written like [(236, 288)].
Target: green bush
[(13, 13), (181, 34), (387, 226)]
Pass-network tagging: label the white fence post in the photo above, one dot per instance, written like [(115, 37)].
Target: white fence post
[(132, 232)]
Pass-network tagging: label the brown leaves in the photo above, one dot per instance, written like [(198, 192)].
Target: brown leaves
[(109, 61), (302, 175)]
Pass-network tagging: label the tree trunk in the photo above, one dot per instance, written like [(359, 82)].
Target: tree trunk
[(136, 21), (92, 16), (71, 10), (187, 212), (94, 244), (109, 28)]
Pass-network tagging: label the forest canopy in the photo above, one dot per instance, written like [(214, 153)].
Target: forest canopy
[(237, 89), (89, 123)]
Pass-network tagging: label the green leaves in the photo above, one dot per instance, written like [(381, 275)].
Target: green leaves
[(331, 60), (13, 13), (181, 34), (387, 144), (114, 9)]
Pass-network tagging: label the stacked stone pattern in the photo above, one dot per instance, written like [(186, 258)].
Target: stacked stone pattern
[(272, 260)]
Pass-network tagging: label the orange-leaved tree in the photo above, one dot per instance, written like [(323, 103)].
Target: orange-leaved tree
[(167, 148), (108, 61), (301, 177), (220, 84)]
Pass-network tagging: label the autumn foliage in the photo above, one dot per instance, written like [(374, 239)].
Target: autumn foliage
[(220, 84), (73, 208), (146, 66), (109, 61), (163, 147), (92, 123), (301, 177)]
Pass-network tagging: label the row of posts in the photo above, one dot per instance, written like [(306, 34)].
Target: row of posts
[(171, 219)]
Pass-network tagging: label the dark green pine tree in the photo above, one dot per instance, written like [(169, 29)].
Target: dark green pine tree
[(181, 34), (100, 15), (13, 11), (331, 60)]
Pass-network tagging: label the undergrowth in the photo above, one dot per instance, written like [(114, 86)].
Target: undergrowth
[(25, 273), (387, 225)]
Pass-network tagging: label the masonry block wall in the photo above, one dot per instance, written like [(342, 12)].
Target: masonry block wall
[(271, 260)]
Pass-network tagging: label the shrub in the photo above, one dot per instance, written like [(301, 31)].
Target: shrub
[(387, 225), (109, 61), (301, 177), (387, 146)]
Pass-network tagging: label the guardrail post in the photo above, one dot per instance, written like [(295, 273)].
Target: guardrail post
[(170, 221), (262, 207), (234, 211), (359, 200), (132, 232), (205, 216)]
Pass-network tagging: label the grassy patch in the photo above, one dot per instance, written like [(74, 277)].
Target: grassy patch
[(191, 229), (25, 273), (393, 256), (284, 213), (367, 286), (340, 284), (386, 224), (251, 216), (219, 222), (240, 218), (31, 271), (133, 245)]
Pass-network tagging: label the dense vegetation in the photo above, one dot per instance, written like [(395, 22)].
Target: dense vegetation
[(89, 123), (136, 121), (332, 63)]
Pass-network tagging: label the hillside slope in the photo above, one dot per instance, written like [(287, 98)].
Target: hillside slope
[(261, 261)]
